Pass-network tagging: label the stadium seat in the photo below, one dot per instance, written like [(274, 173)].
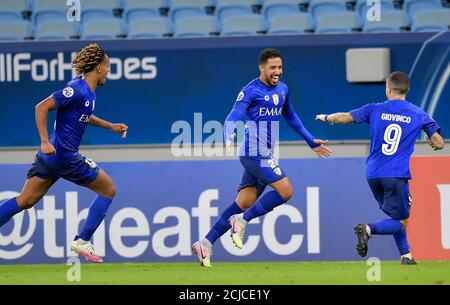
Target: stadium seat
[(391, 21), (181, 3), (266, 2), (271, 10), (101, 29), (339, 22), (15, 31), (361, 5), (320, 8), (49, 9), (234, 2), (134, 15), (177, 13), (6, 17), (241, 25), (138, 4), (195, 27), (224, 11), (55, 30), (87, 5), (96, 14), (431, 20), (413, 6), (289, 24), (149, 28), (137, 9), (16, 6)]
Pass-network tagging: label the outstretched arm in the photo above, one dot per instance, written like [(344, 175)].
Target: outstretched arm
[(336, 118), (294, 121), (120, 127), (41, 110)]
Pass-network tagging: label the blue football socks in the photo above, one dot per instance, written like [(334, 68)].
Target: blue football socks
[(8, 209), (96, 214), (221, 226), (263, 205), (385, 227)]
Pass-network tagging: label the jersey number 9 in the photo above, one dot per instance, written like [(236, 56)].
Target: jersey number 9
[(392, 137)]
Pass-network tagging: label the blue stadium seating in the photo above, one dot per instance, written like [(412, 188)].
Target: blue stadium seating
[(391, 21), (17, 6), (181, 3), (148, 28), (289, 24), (55, 30), (195, 27), (339, 22), (102, 29), (177, 13), (96, 14), (242, 25), (49, 9), (87, 5), (10, 16), (140, 4), (224, 11), (272, 10), (431, 20), (15, 31), (192, 18), (413, 6), (137, 9)]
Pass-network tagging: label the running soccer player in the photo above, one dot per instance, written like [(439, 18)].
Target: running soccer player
[(394, 127), (59, 156), (262, 101)]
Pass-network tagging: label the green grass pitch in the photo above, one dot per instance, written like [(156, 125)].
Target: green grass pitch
[(272, 273)]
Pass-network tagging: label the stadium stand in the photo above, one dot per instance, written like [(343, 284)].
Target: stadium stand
[(111, 19)]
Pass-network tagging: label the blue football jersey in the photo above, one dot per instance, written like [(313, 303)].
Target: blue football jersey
[(394, 128), (75, 104), (264, 107)]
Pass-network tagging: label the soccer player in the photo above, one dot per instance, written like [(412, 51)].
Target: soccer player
[(394, 127), (262, 101), (59, 156)]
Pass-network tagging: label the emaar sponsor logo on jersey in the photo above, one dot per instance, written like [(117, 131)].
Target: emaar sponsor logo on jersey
[(22, 66), (150, 237)]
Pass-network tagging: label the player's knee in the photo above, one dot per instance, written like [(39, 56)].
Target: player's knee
[(110, 191), (286, 193)]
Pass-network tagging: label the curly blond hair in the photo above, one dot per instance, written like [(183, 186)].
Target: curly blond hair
[(88, 58)]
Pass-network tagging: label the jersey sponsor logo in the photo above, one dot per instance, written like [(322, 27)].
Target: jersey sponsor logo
[(395, 118), (84, 118), (67, 92), (240, 96), (275, 99), (263, 111)]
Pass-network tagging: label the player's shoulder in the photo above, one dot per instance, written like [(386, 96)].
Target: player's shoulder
[(251, 85), (283, 86), (77, 87), (414, 107)]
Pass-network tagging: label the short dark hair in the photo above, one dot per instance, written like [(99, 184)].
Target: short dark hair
[(268, 53), (398, 82)]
